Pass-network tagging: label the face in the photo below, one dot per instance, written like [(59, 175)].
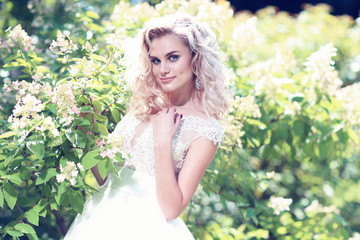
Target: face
[(171, 65)]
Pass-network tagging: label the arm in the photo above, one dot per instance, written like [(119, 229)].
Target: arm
[(174, 194)]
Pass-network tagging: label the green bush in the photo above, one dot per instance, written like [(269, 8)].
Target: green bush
[(288, 164)]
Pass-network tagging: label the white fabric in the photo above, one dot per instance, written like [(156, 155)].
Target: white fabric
[(125, 207), (138, 139)]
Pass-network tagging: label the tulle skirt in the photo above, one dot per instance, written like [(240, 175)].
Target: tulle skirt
[(126, 208)]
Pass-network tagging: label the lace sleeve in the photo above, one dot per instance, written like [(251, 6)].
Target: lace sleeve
[(192, 128), (195, 127)]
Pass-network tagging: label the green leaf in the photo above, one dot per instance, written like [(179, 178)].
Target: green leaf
[(32, 236), (43, 69), (228, 196), (8, 134), (255, 122), (32, 216), (52, 107), (324, 148), (56, 141), (86, 109), (353, 136), (10, 157), (37, 148), (1, 198), (92, 14), (25, 228), (76, 200), (77, 138), (95, 27), (25, 173), (104, 167), (81, 122), (11, 65), (298, 128), (99, 107), (15, 178), (90, 159), (53, 204), (100, 128), (101, 118), (62, 189), (14, 233), (98, 57), (46, 190), (39, 207), (46, 175), (250, 213), (10, 195), (115, 114)]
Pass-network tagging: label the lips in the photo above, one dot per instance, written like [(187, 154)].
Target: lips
[(167, 79)]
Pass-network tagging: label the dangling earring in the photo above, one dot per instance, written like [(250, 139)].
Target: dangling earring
[(197, 84)]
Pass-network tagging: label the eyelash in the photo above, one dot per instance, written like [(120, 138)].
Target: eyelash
[(172, 58), (155, 61)]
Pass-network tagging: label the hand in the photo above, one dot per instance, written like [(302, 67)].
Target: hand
[(165, 125)]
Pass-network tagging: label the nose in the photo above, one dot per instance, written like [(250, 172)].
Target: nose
[(164, 69)]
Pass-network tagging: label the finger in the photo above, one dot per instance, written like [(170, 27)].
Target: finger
[(172, 110), (176, 115), (178, 120)]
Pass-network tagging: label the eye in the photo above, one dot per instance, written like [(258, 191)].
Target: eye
[(155, 61), (173, 58)]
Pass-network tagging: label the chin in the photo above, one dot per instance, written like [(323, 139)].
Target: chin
[(167, 88)]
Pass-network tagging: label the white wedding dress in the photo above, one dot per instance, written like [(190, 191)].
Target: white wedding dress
[(125, 207)]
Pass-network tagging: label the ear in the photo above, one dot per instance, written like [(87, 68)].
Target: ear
[(194, 63)]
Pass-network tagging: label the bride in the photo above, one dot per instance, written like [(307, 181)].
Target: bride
[(171, 133)]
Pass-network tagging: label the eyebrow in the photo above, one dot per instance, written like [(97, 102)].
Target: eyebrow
[(170, 53)]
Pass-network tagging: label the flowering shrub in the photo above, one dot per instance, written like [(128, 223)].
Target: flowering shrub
[(290, 142)]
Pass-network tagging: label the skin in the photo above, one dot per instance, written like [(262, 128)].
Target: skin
[(171, 66), (174, 193)]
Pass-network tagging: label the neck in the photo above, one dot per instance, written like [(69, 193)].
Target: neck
[(180, 98)]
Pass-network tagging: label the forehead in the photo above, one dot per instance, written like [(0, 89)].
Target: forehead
[(167, 43)]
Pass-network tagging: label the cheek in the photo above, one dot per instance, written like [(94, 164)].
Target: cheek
[(154, 69)]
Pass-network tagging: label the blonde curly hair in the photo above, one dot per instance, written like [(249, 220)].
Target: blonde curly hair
[(148, 98)]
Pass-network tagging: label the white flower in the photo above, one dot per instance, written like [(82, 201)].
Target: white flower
[(55, 132), (270, 174), (62, 43), (246, 34), (280, 204), (73, 71), (80, 166), (69, 173), (72, 181), (321, 60), (316, 207), (60, 178), (18, 37), (356, 235), (321, 67), (349, 98)]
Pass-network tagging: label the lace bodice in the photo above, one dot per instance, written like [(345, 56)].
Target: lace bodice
[(138, 141)]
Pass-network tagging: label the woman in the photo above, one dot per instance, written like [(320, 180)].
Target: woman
[(170, 133)]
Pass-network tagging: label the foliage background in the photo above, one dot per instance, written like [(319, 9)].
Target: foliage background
[(292, 132)]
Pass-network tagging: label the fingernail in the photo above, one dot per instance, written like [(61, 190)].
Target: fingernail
[(181, 115)]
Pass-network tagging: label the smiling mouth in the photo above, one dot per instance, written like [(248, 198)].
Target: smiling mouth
[(167, 79)]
